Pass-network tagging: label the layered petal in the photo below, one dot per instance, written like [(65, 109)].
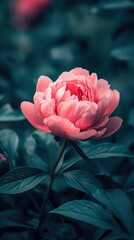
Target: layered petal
[(81, 135), (30, 112), (101, 109), (48, 108), (60, 126), (88, 117), (79, 71), (77, 75), (113, 103), (93, 79), (38, 97), (70, 110), (112, 126), (43, 83)]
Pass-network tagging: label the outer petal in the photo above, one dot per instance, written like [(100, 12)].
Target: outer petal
[(81, 135), (79, 71), (70, 110), (113, 103), (112, 126), (88, 118), (77, 75), (43, 83), (38, 96), (102, 122), (48, 108), (101, 109), (60, 126), (93, 79), (30, 112)]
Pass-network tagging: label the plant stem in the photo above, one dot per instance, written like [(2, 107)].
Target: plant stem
[(52, 177)]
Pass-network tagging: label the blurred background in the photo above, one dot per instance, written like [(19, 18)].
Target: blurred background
[(47, 37)]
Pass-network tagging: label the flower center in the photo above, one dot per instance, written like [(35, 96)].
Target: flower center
[(75, 90)]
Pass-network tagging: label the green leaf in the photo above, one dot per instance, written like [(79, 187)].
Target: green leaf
[(105, 150), (7, 114), (117, 236), (69, 158), (111, 235), (102, 150), (46, 145), (87, 211), (21, 180), (129, 186), (82, 181), (119, 204), (13, 218), (9, 140)]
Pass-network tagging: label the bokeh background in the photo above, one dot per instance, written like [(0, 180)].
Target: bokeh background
[(47, 37)]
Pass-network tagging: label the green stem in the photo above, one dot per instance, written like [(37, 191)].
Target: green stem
[(50, 183)]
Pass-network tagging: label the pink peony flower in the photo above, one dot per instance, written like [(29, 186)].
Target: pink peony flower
[(76, 106)]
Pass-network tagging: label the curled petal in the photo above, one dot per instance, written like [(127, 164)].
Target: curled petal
[(102, 122), (69, 110), (60, 92), (99, 133), (88, 117), (113, 103), (30, 112), (81, 135), (93, 79), (112, 126), (101, 109), (60, 126), (43, 83), (38, 96), (76, 75), (48, 108), (102, 85), (80, 71)]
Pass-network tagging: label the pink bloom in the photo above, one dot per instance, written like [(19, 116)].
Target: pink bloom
[(25, 11), (76, 106)]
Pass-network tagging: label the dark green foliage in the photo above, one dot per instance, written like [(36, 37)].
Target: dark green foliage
[(21, 180)]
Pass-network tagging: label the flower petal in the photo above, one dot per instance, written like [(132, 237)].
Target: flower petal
[(87, 118), (81, 135), (77, 75), (102, 122), (70, 110), (38, 96), (30, 112), (60, 126), (48, 108), (112, 126), (113, 103), (93, 79), (43, 83), (79, 71), (101, 109)]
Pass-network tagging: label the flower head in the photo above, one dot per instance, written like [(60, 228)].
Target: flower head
[(76, 106)]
